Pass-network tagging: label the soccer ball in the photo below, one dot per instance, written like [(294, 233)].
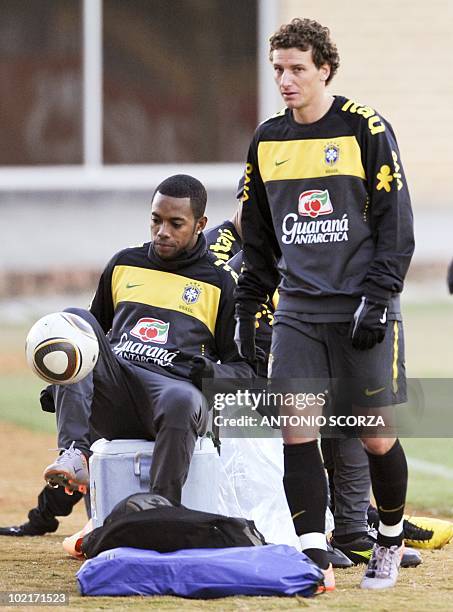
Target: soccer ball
[(62, 348)]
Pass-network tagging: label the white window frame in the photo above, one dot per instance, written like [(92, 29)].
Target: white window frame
[(92, 173)]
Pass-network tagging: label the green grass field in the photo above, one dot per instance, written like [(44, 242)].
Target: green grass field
[(19, 402), (428, 330), (429, 353)]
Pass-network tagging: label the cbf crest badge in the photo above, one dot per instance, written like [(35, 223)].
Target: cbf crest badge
[(331, 153), (191, 293)]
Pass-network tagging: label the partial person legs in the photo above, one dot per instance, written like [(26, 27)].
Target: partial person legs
[(299, 353), (41, 519), (73, 427), (346, 463)]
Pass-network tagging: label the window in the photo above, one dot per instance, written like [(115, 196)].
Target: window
[(179, 80), (40, 67)]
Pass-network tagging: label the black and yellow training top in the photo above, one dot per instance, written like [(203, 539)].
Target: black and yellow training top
[(326, 214), (225, 244), (223, 241), (158, 314)]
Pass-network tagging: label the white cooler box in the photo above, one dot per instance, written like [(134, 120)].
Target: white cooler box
[(119, 468)]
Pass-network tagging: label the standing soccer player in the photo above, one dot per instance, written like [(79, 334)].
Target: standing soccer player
[(327, 217)]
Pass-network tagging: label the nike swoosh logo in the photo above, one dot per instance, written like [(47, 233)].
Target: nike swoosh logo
[(297, 514), (130, 286), (279, 163), (383, 319), (366, 554), (369, 393)]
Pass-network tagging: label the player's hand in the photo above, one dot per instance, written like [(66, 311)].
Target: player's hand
[(46, 400), (244, 336), (200, 367), (369, 324)]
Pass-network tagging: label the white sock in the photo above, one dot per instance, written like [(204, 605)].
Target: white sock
[(391, 531), (313, 540)]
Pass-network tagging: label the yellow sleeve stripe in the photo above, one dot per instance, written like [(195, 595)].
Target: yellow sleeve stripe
[(395, 357), (166, 290), (304, 159)]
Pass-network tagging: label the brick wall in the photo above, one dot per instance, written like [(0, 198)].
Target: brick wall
[(396, 57)]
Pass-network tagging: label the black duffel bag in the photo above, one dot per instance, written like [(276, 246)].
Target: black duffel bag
[(150, 522)]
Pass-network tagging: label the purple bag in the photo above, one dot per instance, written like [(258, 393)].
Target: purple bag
[(201, 573)]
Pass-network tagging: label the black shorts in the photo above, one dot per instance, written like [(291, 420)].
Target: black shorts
[(321, 354)]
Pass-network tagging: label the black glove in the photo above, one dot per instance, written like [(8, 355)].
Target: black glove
[(244, 336), (369, 324), (200, 367), (46, 400), (450, 277)]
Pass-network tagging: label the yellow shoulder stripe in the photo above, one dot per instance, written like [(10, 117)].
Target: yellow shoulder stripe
[(279, 113), (316, 158), (166, 290)]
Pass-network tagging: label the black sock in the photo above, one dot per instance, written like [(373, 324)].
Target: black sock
[(51, 503), (318, 556), (306, 492), (389, 481), (55, 502), (387, 541)]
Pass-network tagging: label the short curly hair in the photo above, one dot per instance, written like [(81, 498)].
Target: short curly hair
[(185, 186), (304, 34)]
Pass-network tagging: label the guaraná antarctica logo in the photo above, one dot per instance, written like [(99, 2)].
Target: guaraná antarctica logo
[(151, 330), (314, 203)]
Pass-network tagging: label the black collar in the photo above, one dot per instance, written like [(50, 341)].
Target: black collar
[(184, 259)]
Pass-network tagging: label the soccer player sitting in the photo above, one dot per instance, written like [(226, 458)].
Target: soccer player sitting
[(167, 311)]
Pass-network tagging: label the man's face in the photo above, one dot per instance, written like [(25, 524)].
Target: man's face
[(300, 82), (173, 226)]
